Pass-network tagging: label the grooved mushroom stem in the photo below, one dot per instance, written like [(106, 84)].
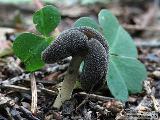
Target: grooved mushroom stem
[(68, 82)]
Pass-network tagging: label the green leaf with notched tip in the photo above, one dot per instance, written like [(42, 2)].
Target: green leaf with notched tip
[(126, 73), (46, 19), (28, 48), (120, 42)]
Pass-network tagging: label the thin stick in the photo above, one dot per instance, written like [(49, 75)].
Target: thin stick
[(34, 94), (139, 27), (17, 88), (96, 97), (28, 90)]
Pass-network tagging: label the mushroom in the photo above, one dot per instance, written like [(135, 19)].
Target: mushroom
[(83, 44)]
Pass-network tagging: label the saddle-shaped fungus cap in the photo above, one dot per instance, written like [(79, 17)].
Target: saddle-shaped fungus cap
[(87, 43), (95, 66)]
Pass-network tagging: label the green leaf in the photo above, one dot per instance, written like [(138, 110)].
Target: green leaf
[(86, 21), (119, 40), (131, 70), (126, 73), (46, 19), (28, 48), (116, 83)]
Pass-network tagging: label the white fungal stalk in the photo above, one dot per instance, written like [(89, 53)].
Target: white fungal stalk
[(68, 82)]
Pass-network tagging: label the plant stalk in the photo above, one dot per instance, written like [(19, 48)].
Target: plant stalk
[(68, 82)]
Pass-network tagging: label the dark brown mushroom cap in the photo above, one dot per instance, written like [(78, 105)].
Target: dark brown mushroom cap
[(85, 42), (92, 33), (95, 66), (69, 43)]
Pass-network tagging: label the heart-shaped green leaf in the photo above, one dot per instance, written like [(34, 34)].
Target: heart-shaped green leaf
[(116, 83), (119, 40), (28, 48), (46, 19), (125, 74), (125, 71), (87, 21)]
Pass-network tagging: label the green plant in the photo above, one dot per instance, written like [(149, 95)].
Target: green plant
[(28, 46), (126, 73)]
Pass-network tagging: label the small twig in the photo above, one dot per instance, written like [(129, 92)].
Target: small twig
[(95, 97), (45, 90), (80, 105), (138, 27), (28, 90), (34, 94), (91, 96), (17, 88)]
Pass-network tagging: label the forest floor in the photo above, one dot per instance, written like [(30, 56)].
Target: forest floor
[(141, 19)]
